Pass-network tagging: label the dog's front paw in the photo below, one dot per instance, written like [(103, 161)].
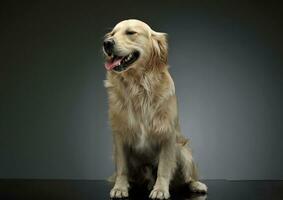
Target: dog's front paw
[(159, 193), (119, 192), (198, 187)]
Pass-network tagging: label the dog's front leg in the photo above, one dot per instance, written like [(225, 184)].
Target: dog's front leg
[(166, 167), (121, 186)]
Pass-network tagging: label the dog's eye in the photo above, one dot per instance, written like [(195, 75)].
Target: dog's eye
[(128, 32)]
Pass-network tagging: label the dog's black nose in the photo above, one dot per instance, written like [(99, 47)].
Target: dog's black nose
[(108, 45)]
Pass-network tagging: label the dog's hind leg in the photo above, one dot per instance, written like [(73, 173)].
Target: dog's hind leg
[(189, 170)]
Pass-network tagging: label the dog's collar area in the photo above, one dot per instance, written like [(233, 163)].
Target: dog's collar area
[(119, 64)]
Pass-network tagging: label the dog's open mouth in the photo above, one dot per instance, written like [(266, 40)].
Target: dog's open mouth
[(121, 63)]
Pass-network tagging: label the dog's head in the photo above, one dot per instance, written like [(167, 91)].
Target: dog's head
[(132, 44)]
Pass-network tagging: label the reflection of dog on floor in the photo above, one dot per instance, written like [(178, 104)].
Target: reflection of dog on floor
[(148, 145)]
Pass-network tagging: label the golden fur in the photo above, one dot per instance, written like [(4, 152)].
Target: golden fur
[(148, 145)]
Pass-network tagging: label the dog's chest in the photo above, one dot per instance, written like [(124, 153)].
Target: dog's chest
[(142, 141), (140, 113)]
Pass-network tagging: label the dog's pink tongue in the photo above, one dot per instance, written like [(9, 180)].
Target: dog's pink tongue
[(110, 64)]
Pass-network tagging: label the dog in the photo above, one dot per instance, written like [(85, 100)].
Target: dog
[(148, 145)]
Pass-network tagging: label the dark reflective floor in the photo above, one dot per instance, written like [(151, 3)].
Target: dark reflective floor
[(99, 190)]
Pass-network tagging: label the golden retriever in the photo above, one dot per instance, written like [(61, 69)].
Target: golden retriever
[(148, 145)]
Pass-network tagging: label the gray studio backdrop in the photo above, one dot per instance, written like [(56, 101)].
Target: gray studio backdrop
[(226, 60)]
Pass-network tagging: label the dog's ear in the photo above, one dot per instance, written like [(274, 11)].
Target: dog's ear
[(159, 48)]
